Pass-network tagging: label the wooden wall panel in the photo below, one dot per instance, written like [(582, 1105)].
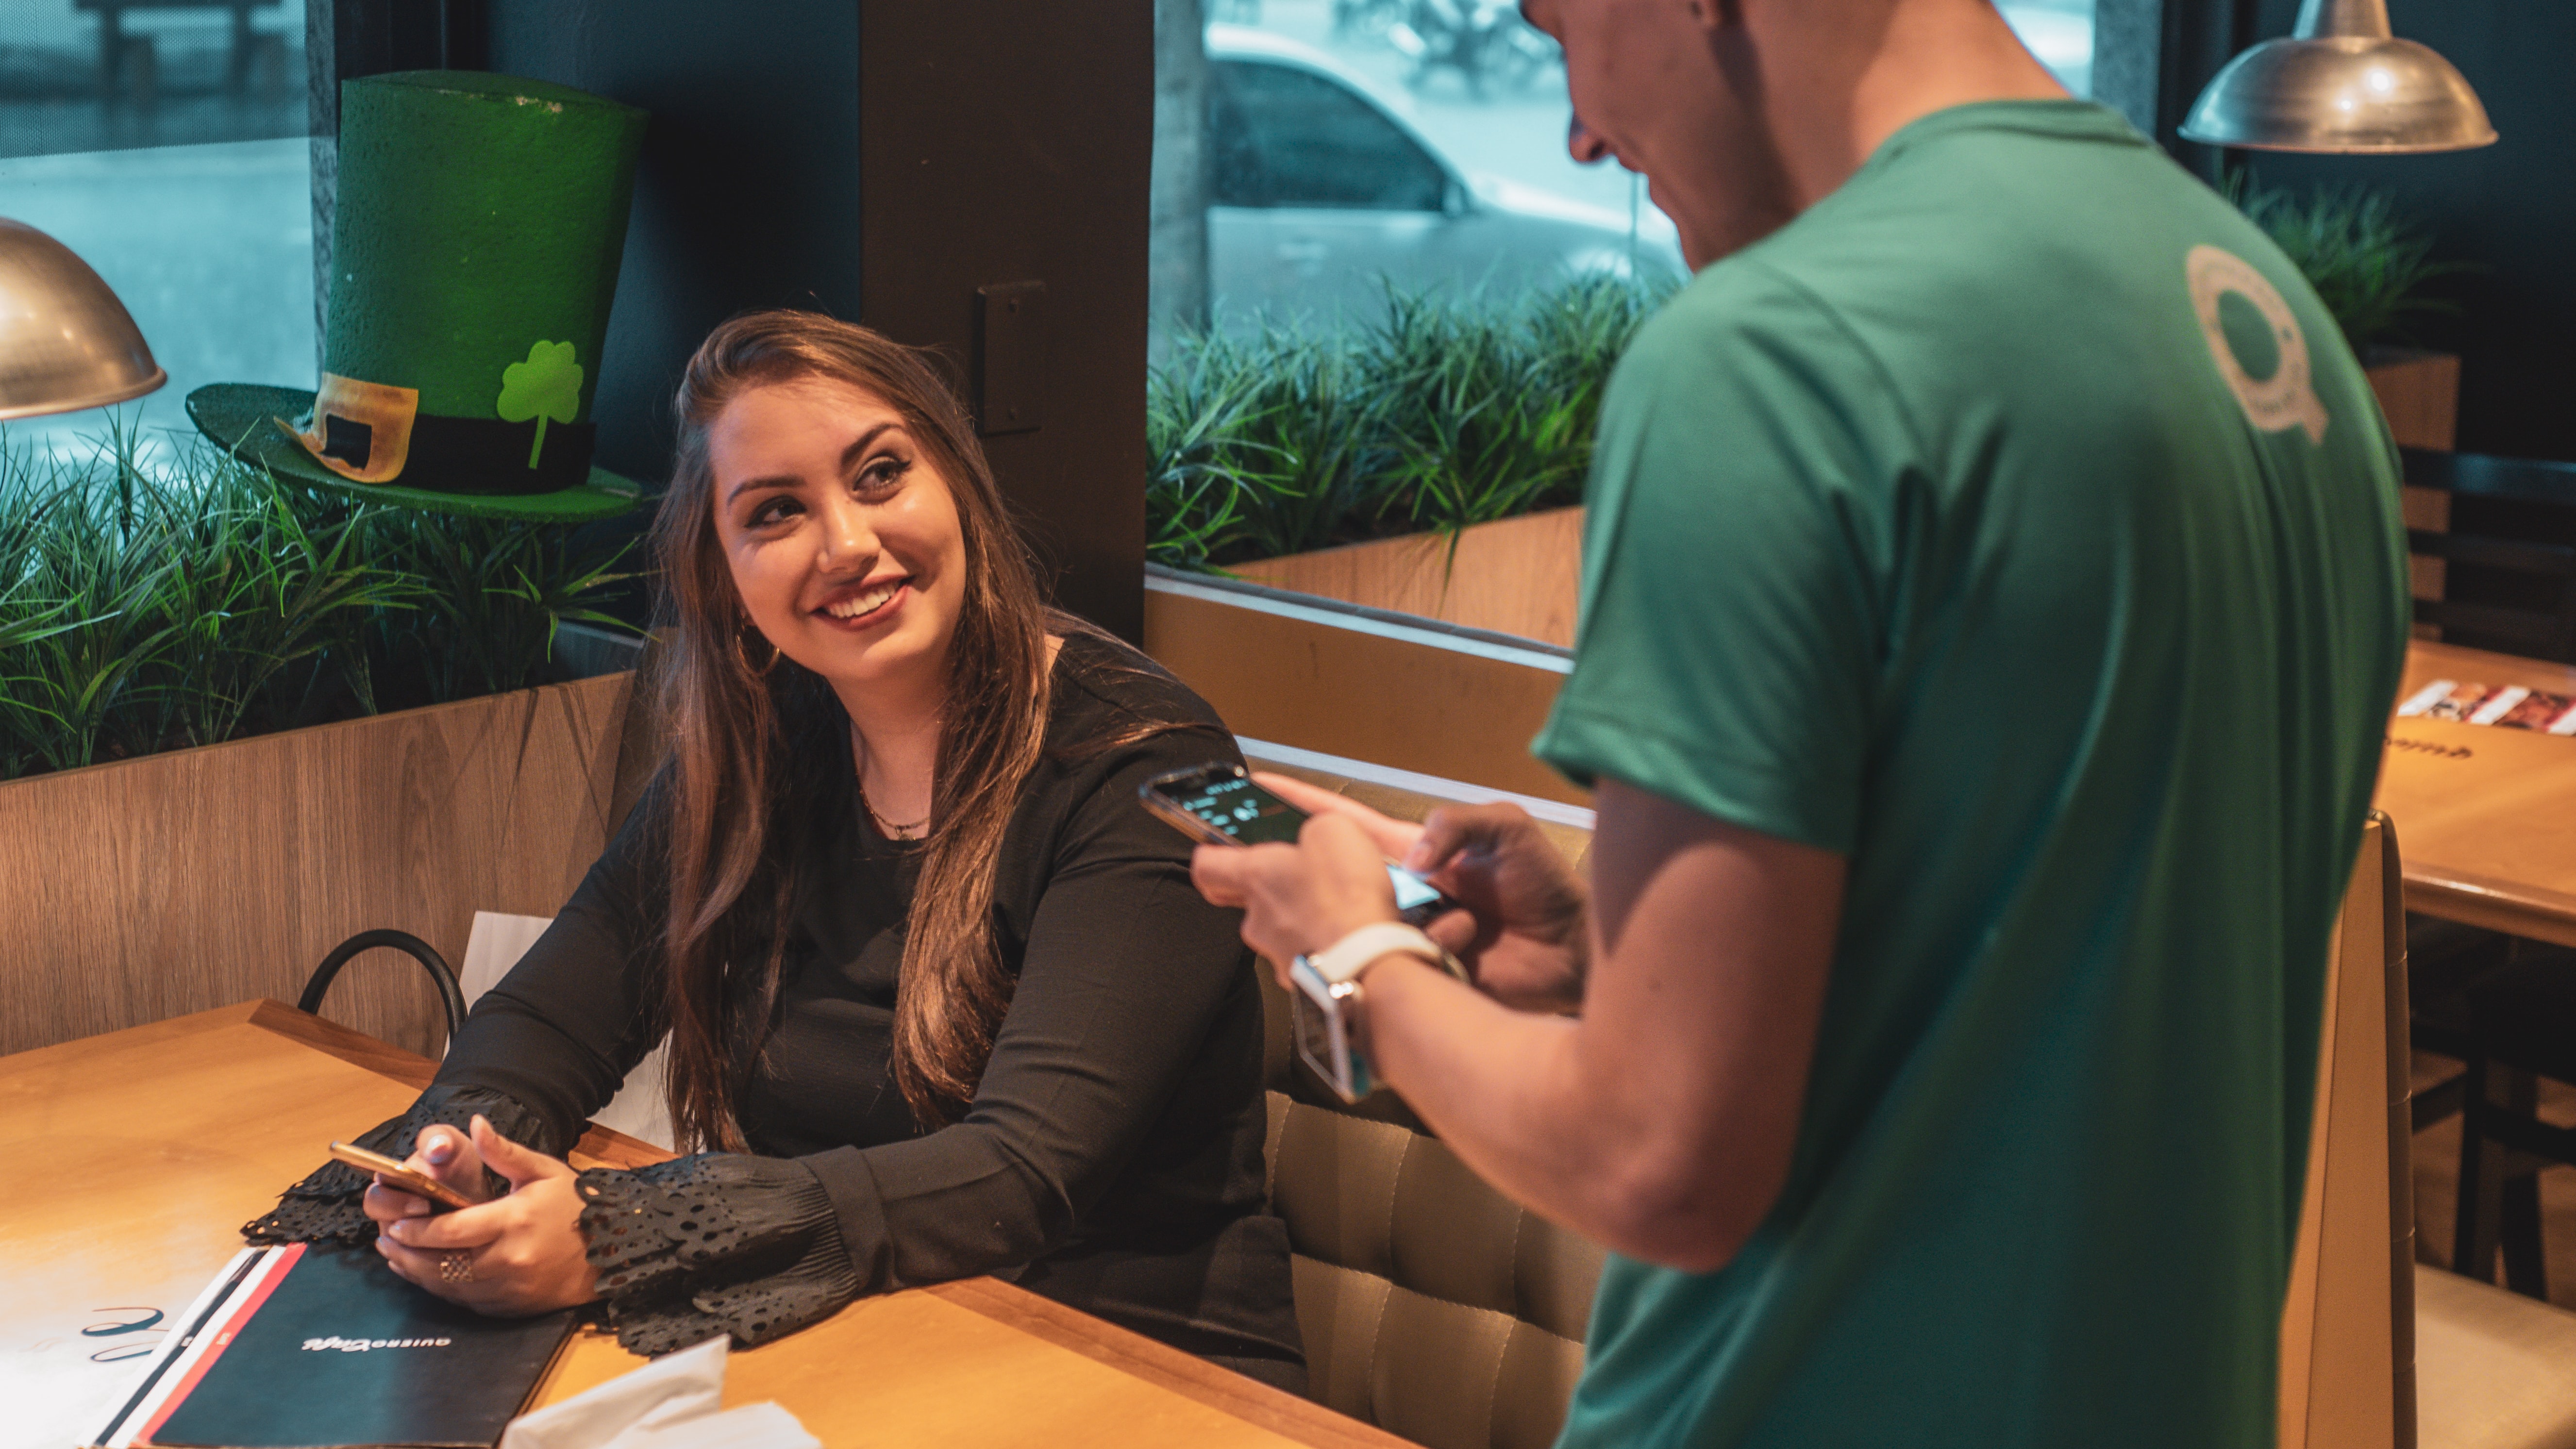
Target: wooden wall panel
[(1360, 693), (151, 888)]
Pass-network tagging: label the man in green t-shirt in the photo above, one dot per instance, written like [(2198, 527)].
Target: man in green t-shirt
[(1992, 596)]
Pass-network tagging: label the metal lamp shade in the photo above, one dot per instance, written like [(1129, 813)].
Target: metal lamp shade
[(65, 341), (2341, 84)]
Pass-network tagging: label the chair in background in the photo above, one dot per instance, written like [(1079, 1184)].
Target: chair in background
[(2444, 959), (494, 946), (2532, 610), (2461, 974), (2377, 1351), (2523, 1020), (450, 998), (638, 1110)]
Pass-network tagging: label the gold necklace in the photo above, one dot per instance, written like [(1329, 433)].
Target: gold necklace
[(859, 777), (891, 829)]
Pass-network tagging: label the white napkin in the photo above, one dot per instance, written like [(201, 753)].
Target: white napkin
[(674, 1402)]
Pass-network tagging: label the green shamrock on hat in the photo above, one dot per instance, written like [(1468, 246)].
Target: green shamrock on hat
[(547, 385)]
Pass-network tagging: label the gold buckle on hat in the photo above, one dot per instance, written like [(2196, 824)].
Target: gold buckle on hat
[(383, 411)]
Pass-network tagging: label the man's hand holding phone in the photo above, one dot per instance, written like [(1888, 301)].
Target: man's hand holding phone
[(1522, 934), (517, 1254)]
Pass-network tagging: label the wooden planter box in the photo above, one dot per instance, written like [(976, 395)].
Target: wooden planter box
[(151, 888), (1512, 576), (1523, 575)]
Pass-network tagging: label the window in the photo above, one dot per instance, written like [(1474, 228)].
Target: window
[(167, 147), (1281, 136), (2060, 33)]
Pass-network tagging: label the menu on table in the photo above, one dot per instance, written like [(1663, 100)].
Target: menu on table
[(2509, 705)]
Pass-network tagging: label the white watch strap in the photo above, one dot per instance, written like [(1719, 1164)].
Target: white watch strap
[(1348, 956)]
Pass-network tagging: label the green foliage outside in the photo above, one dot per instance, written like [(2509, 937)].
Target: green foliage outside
[(2368, 264), (1456, 409), (146, 607)]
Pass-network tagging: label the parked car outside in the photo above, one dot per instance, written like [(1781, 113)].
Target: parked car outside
[(1325, 193)]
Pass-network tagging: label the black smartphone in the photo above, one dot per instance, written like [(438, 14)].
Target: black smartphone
[(1221, 804)]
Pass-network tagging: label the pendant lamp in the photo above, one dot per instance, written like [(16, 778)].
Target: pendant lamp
[(2340, 83), (65, 341)]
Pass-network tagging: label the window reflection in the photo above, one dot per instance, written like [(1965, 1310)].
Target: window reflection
[(2060, 33), (1356, 144), (1281, 136), (167, 146), (1408, 145)]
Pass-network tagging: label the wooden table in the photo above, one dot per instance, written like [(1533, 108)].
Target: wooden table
[(132, 1159), (2486, 817)]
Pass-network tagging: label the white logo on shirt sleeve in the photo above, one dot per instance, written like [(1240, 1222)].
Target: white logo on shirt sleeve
[(2287, 398)]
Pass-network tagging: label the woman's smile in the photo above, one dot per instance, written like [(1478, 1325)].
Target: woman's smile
[(864, 606)]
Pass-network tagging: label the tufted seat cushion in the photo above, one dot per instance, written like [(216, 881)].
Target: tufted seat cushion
[(1432, 1306)]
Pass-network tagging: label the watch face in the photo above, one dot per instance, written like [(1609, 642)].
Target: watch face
[(1414, 896)]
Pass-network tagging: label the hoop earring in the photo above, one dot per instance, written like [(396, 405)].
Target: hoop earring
[(775, 653)]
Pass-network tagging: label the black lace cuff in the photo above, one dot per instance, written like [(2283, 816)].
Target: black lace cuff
[(325, 1208), (714, 1244)]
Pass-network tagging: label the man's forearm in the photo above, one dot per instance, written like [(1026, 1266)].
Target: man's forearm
[(1510, 1093)]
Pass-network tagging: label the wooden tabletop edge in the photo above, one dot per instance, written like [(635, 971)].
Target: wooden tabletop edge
[(1274, 1409), (349, 1045), (599, 1146)]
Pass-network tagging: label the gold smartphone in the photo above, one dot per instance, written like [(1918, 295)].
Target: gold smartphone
[(397, 1175)]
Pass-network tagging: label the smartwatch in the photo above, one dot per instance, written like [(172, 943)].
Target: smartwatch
[(1347, 957)]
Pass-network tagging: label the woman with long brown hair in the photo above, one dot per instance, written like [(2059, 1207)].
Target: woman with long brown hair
[(939, 997)]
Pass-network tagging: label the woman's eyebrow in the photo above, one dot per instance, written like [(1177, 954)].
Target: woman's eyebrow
[(850, 457)]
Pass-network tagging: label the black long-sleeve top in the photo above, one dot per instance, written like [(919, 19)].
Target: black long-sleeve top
[(1111, 1157)]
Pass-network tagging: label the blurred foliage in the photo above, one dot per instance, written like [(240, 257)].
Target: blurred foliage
[(1456, 408), (2368, 264), (149, 606)]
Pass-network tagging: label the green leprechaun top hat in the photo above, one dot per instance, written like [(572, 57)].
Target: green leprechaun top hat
[(474, 255)]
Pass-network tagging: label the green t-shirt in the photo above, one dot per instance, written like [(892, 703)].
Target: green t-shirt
[(2016, 523)]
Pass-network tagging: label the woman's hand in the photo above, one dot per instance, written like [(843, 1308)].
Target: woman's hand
[(515, 1255), (1523, 933)]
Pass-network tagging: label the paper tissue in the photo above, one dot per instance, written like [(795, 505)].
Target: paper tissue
[(674, 1402)]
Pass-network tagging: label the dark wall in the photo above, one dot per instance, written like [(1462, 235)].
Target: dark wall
[(881, 160), (747, 194), (1010, 141), (2509, 209)]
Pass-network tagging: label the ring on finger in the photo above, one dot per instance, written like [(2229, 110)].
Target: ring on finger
[(456, 1267)]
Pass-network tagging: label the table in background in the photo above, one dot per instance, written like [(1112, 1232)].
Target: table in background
[(133, 1158), (2486, 817)]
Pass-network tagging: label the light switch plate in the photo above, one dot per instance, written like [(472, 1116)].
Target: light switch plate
[(1010, 357)]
